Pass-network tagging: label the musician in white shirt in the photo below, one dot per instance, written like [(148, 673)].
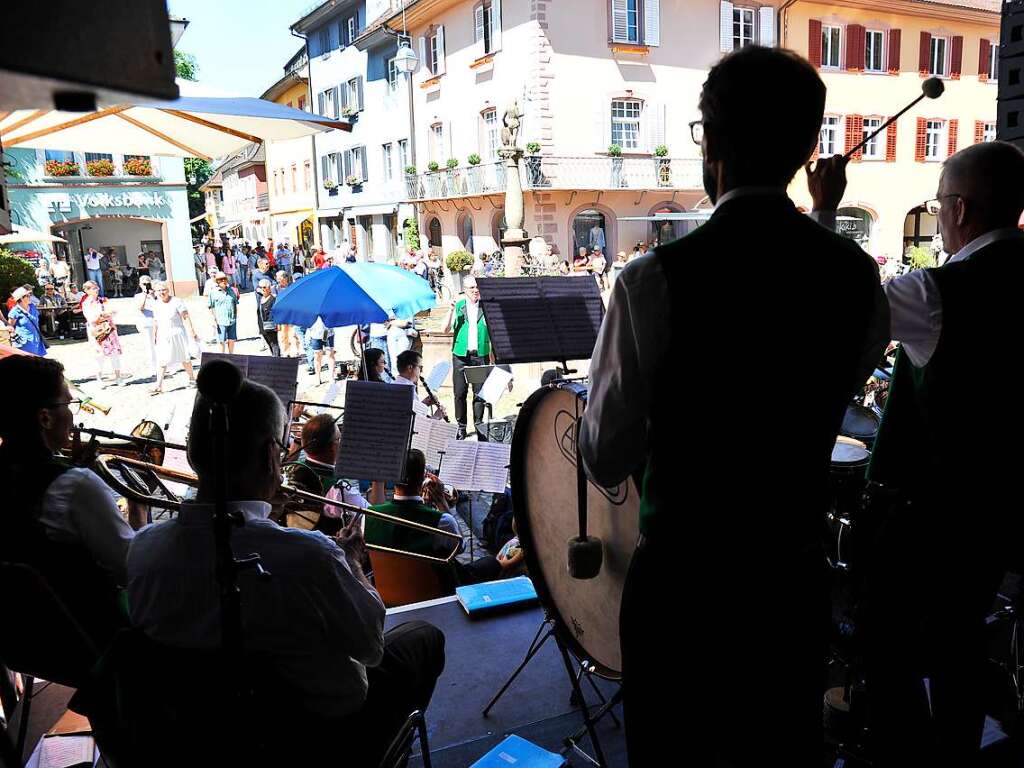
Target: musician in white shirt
[(410, 365)]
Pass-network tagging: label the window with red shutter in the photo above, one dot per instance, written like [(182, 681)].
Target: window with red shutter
[(814, 42), (952, 128), (855, 39), (890, 143), (979, 131), (854, 134), (984, 56), (921, 141), (895, 39), (956, 57), (925, 54)]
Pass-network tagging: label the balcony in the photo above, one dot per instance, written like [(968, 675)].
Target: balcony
[(546, 172)]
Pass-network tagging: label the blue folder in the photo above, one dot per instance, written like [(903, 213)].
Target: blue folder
[(515, 752), (494, 594)]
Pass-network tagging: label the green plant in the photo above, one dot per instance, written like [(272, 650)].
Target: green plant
[(661, 151), (185, 65), (920, 257), (452, 163), (410, 170), (615, 150), (533, 147), (412, 234), (14, 271), (457, 261), (473, 159), (432, 166), (138, 166), (62, 168), (100, 168)]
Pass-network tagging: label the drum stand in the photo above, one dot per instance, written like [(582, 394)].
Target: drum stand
[(548, 629)]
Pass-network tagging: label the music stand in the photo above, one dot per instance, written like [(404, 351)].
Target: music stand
[(541, 319), (476, 375)]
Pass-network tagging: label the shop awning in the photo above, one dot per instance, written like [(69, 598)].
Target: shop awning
[(197, 218), (227, 225), (370, 210)]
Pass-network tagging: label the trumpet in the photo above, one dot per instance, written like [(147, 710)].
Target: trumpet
[(109, 466)]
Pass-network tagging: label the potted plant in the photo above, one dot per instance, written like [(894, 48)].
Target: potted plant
[(615, 153), (411, 182), (100, 167), (452, 165), (432, 166), (62, 168), (349, 112), (473, 159), (138, 166), (534, 178), (458, 263), (473, 178), (662, 166), (331, 186), (353, 181)]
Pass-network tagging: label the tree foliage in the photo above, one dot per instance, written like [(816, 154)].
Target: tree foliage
[(185, 65), (920, 258), (14, 271), (412, 234)]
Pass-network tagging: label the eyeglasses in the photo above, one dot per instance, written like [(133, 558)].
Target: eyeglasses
[(935, 205), (73, 405), (697, 131)]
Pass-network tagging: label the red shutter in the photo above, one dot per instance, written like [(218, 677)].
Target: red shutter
[(921, 144), (814, 42), (956, 58), (890, 143), (895, 38), (979, 131), (953, 127), (924, 57), (854, 134), (984, 54), (855, 41)]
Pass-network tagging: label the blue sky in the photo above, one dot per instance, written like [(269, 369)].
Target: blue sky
[(241, 46)]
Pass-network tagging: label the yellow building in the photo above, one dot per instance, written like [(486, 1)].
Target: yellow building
[(873, 56), (290, 178)]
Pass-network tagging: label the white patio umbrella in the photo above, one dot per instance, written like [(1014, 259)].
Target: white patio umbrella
[(196, 125), (26, 235)]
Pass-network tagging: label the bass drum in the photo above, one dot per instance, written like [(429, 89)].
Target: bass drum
[(586, 612)]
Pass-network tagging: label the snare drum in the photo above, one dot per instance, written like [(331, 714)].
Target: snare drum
[(861, 423), (847, 479)]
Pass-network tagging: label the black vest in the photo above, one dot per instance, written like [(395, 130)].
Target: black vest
[(770, 316)]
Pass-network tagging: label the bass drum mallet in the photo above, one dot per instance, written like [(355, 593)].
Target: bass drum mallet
[(931, 88)]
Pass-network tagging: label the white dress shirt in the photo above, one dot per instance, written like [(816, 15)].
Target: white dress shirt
[(92, 260), (472, 314), (320, 624), (79, 506)]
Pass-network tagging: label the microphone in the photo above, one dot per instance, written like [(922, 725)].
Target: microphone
[(931, 88), (219, 381)]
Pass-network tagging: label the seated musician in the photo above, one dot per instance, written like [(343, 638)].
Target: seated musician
[(316, 619), (410, 365), (321, 437), (60, 519)]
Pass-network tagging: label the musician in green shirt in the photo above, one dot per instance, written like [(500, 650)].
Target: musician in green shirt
[(471, 345)]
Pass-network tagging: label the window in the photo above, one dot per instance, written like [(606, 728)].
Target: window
[(828, 141), (301, 104), (483, 23), (435, 47), (742, 27), (60, 156), (305, 175), (874, 51), (436, 142), (989, 133), (392, 75), (403, 154), (938, 56), (357, 162), (626, 123), (934, 133), (387, 160), (327, 103), (490, 135), (831, 43), (353, 95), (295, 178), (90, 156), (324, 37), (993, 63), (874, 149), (636, 22), (351, 30), (329, 167)]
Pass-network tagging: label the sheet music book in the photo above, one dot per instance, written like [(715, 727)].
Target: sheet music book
[(431, 436), (517, 752), (375, 432), (496, 385), (438, 374), (67, 751), (281, 374), (486, 596), (472, 466)]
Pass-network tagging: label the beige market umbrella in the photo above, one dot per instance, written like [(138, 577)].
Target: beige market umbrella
[(26, 235)]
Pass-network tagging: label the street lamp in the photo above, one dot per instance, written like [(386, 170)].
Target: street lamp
[(406, 61)]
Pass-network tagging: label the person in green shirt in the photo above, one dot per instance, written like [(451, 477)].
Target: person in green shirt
[(223, 303), (471, 345)]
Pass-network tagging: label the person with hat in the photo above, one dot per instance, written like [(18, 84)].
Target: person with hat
[(102, 333), (23, 321), (223, 303)]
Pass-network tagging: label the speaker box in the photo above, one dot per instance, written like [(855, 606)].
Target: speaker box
[(1010, 125)]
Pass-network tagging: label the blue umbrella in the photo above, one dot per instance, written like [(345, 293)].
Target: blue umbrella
[(353, 294)]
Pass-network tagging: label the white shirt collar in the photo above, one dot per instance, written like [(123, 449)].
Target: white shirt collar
[(396, 497), (324, 464), (732, 194), (202, 514), (400, 379), (995, 236)]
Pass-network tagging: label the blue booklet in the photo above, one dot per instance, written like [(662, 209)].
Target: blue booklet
[(519, 753), (494, 594)]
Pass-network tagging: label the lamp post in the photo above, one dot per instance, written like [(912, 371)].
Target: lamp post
[(406, 62)]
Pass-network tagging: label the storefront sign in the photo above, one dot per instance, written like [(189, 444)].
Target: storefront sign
[(120, 200)]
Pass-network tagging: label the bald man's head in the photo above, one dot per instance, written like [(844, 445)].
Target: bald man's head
[(989, 176)]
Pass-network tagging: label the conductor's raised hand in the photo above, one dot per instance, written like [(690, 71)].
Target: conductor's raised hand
[(826, 182)]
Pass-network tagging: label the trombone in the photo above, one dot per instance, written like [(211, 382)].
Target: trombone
[(105, 468)]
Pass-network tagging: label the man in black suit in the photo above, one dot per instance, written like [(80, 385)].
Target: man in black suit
[(949, 448), (731, 517)]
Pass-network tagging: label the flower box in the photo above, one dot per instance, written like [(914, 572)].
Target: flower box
[(62, 168), (138, 166), (100, 168)]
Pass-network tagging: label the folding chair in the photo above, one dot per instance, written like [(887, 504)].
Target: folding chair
[(402, 579), (401, 746)]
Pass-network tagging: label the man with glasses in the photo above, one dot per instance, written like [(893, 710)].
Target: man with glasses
[(61, 520), (471, 345), (410, 369), (952, 455)]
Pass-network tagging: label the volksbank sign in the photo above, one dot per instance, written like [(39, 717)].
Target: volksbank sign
[(120, 200)]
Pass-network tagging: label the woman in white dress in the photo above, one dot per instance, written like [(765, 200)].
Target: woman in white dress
[(170, 321)]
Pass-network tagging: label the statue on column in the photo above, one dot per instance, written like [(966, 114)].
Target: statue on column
[(511, 121)]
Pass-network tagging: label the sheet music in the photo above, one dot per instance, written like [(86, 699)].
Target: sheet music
[(281, 374), (470, 466), (419, 408), (375, 434), (421, 435), (66, 751), (431, 436), (496, 385), (438, 374)]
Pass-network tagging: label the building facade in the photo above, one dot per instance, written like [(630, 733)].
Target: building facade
[(290, 178), (246, 200), (352, 75), (128, 203)]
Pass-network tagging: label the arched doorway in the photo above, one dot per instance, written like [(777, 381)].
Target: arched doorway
[(498, 227), (920, 229), (857, 224), (665, 231), (434, 232), (592, 227), (122, 238), (465, 229)]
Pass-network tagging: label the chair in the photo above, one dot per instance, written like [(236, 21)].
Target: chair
[(401, 745), (402, 579)]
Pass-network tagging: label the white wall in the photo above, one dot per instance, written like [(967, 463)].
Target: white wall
[(125, 232)]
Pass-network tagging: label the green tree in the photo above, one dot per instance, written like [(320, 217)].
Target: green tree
[(920, 258), (185, 65), (412, 234), (197, 173), (14, 271)]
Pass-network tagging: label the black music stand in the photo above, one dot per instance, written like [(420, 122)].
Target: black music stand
[(475, 376)]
